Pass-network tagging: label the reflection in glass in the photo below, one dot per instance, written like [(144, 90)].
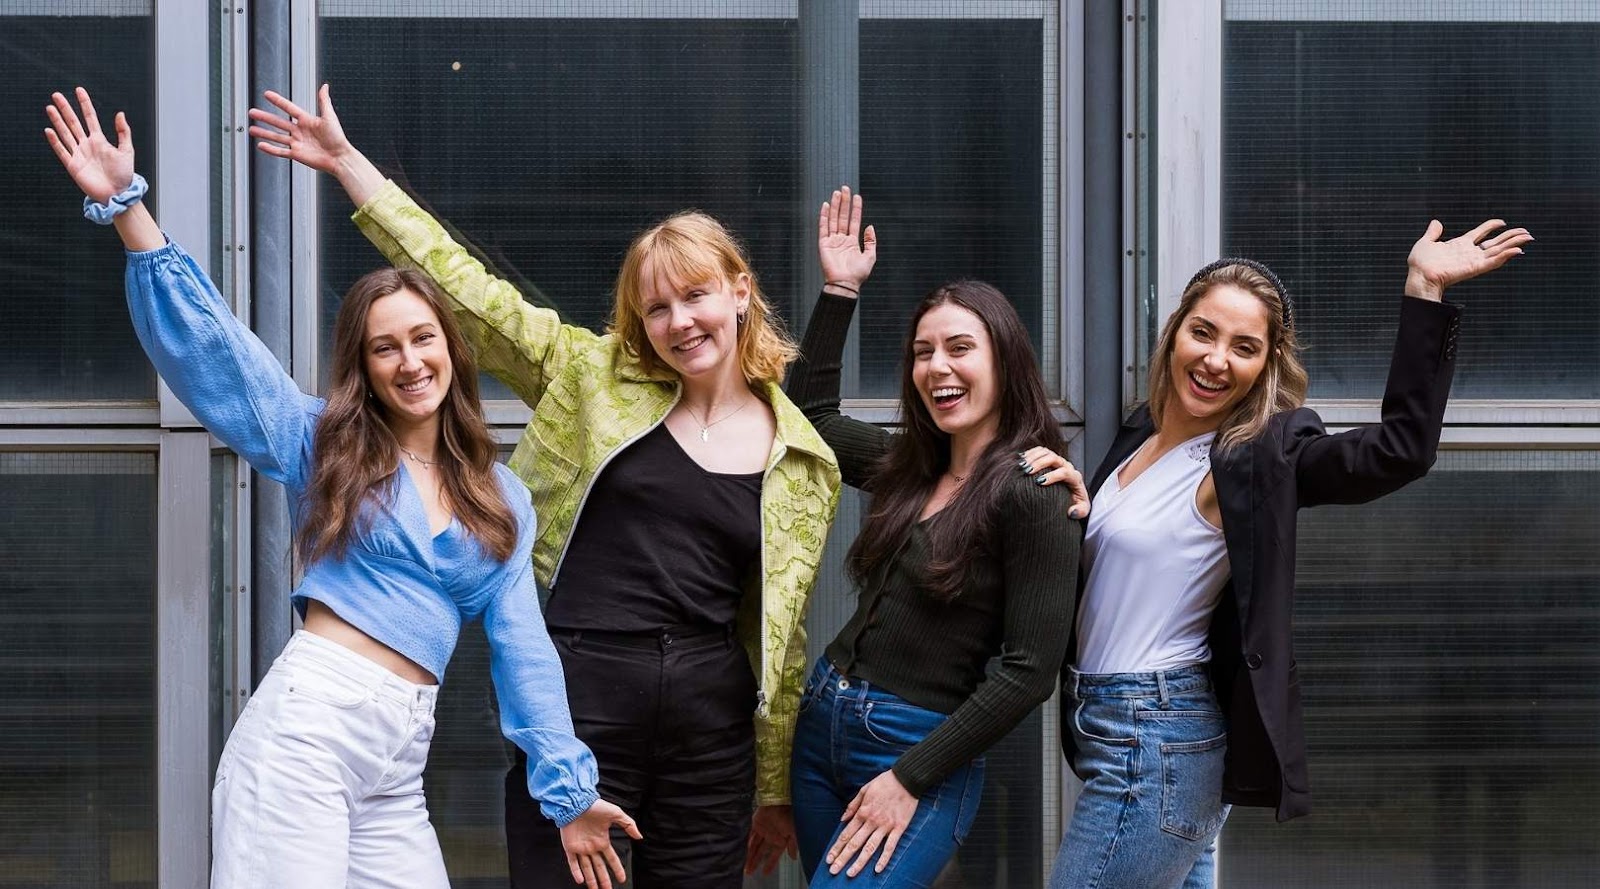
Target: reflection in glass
[(77, 632)]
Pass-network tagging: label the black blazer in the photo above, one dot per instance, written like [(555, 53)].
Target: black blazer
[(1261, 486)]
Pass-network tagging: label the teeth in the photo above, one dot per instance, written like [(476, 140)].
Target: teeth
[(690, 344), (415, 387), (1210, 387), (948, 392)]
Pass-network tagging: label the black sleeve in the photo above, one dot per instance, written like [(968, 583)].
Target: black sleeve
[(814, 386), (1366, 463), (1040, 562)]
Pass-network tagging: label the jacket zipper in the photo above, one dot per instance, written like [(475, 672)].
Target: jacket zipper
[(578, 516), (763, 706)]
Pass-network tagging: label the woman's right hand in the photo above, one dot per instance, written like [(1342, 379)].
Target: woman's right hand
[(846, 253), (101, 169), (1047, 468), (587, 841)]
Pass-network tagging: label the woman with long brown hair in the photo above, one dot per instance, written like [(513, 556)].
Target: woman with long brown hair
[(1182, 695), (407, 528), (683, 502), (960, 560)]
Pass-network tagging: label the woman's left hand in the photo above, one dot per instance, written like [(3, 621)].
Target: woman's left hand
[(1434, 264), (1048, 467), (771, 835), (846, 252), (878, 815)]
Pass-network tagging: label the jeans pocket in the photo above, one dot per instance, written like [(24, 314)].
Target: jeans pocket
[(1191, 785), (899, 726), (326, 685), (1104, 724)]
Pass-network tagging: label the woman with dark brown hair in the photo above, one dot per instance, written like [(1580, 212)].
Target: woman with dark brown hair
[(960, 560), (407, 528), (1182, 695)]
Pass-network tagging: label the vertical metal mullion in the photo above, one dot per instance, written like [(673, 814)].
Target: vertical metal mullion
[(303, 201), (183, 686)]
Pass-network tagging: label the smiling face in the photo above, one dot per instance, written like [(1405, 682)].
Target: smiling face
[(407, 362), (953, 370), (1219, 351), (693, 327)]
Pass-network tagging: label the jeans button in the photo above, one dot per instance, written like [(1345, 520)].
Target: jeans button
[(844, 685), (666, 638), (1253, 660)]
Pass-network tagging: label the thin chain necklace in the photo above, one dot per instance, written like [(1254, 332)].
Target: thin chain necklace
[(705, 428), (426, 464)]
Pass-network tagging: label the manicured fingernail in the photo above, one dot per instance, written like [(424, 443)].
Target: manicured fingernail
[(1039, 480), (1028, 469)]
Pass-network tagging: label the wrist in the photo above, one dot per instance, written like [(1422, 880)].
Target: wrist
[(1419, 286), (843, 287)]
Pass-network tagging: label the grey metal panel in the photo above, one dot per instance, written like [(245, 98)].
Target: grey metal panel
[(1070, 341), (272, 298), (78, 439), (144, 413), (830, 59), (183, 627), (182, 145), (1103, 209)]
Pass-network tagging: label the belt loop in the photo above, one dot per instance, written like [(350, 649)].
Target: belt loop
[(1075, 675), (1161, 688)]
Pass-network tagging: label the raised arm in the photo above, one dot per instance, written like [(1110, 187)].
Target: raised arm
[(1365, 463), (521, 345), (528, 681), (213, 363), (847, 260)]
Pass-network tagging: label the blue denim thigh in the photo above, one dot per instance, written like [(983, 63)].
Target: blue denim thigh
[(850, 732), (1151, 749)]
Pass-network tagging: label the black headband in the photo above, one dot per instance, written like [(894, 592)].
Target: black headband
[(1258, 268)]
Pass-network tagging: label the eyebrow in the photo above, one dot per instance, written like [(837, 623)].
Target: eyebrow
[(951, 338), (414, 329), (1246, 337)]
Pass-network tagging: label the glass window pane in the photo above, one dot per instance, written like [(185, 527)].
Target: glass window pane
[(67, 336), (1448, 638), (952, 162), (77, 629), (1342, 139)]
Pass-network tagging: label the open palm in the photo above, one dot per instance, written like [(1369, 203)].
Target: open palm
[(316, 140), (1440, 264), (101, 169), (847, 254)]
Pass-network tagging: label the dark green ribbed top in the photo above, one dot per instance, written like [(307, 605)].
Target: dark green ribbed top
[(1016, 605)]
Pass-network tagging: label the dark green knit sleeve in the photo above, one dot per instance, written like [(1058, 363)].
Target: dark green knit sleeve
[(1040, 566), (814, 386)]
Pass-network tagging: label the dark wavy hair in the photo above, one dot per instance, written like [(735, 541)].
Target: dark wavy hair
[(907, 474), (357, 456)]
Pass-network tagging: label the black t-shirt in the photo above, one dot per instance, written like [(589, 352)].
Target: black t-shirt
[(661, 542)]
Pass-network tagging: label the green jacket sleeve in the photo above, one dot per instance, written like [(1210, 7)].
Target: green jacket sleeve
[(519, 344)]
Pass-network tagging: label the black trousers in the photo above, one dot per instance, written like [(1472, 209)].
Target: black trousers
[(670, 718)]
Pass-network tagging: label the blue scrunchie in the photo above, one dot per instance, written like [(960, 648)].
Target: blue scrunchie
[(120, 202)]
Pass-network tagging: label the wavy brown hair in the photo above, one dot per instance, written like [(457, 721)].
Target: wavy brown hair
[(905, 478), (1282, 383), (357, 457), (688, 248)]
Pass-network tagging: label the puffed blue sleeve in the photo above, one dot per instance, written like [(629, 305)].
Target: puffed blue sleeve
[(220, 371), (562, 773)]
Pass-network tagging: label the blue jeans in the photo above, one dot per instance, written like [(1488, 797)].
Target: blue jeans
[(849, 733), (1150, 750)]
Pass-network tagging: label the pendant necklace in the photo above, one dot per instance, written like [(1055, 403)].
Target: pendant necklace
[(426, 464), (705, 428)]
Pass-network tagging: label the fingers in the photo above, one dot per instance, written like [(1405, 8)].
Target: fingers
[(70, 117), (869, 847), (850, 810), (629, 826), (62, 154), (836, 211), (124, 132), (870, 243), (325, 104), (855, 215), (888, 851), (271, 135), (589, 877), (59, 124), (287, 107), (572, 866), (613, 867), (1434, 232), (1483, 230), (1039, 459), (822, 223), (1511, 237), (90, 119)]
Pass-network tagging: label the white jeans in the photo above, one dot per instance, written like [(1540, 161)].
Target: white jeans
[(320, 783)]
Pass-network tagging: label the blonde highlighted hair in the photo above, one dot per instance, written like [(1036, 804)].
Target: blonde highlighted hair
[(688, 248), (1282, 383)]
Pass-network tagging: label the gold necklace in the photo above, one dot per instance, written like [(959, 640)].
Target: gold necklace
[(705, 428)]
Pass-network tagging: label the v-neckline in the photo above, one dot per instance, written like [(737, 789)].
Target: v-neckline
[(416, 494), (1116, 474)]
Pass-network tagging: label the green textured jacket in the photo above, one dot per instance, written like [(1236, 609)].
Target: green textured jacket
[(590, 398)]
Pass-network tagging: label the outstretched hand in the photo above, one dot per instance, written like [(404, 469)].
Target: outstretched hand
[(316, 140), (846, 253), (1435, 264), (101, 169), (587, 842)]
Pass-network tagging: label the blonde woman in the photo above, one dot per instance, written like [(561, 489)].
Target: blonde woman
[(683, 501)]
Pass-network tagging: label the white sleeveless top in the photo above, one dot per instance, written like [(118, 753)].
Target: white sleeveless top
[(1156, 568)]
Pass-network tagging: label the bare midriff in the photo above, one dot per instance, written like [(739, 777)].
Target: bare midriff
[(322, 621)]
